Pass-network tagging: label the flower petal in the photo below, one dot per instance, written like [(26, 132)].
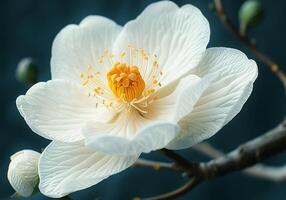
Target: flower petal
[(78, 46), (178, 103), (178, 36), (132, 133), (58, 109), (68, 167), (111, 139), (222, 100)]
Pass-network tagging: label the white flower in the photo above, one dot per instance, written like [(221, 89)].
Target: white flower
[(119, 91), (23, 172)]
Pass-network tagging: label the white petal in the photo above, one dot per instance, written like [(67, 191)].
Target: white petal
[(78, 46), (19, 102), (23, 172), (132, 133), (58, 109), (178, 103), (178, 36), (112, 139), (222, 100), (66, 168)]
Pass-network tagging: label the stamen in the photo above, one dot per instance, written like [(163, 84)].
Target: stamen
[(133, 76), (125, 81)]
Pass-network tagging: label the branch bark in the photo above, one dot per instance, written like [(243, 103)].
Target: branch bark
[(271, 173), (248, 154)]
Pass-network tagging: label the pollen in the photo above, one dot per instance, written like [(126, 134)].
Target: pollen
[(125, 81)]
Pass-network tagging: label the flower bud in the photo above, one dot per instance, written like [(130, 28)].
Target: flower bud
[(27, 71), (250, 13), (23, 172)]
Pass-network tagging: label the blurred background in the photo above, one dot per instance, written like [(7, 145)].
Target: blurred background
[(27, 29)]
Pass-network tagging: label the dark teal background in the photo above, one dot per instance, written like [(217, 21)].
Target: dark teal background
[(28, 27)]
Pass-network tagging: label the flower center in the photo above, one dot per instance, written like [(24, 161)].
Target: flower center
[(131, 79), (125, 81)]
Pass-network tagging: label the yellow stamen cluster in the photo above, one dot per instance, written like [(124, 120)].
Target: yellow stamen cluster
[(133, 76), (125, 81)]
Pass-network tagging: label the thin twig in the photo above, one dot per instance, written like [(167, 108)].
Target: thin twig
[(274, 67), (154, 164), (178, 192), (208, 150), (275, 174), (180, 162)]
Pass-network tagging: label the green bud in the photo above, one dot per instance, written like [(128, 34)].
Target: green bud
[(250, 14), (27, 71)]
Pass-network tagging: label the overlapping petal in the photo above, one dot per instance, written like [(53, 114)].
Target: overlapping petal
[(178, 36), (69, 167), (78, 46), (128, 135), (179, 100), (133, 133), (222, 100), (58, 109)]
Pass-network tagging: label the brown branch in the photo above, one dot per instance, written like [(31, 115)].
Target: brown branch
[(274, 67), (248, 154), (271, 173)]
